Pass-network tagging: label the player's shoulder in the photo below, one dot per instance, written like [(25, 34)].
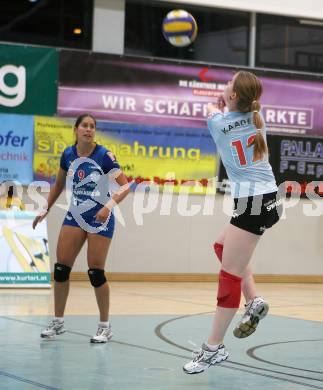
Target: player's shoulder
[(68, 151), (102, 150), (215, 116)]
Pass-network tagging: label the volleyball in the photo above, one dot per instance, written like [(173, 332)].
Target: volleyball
[(179, 28)]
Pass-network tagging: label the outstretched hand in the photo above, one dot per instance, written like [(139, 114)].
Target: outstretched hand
[(221, 103), (219, 106), (39, 218), (212, 107)]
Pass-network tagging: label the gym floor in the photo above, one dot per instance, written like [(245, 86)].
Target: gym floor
[(156, 326)]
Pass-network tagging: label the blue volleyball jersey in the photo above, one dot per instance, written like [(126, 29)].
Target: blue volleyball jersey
[(87, 180), (233, 132)]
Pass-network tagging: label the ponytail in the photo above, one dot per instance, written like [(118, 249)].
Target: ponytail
[(259, 144), (248, 88)]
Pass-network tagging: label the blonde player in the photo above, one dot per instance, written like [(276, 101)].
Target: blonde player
[(240, 136), (256, 307)]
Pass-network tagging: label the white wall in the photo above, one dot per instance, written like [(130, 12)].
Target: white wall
[(109, 16), (176, 244), (108, 26), (312, 9)]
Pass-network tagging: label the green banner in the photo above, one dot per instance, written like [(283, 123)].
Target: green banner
[(28, 80)]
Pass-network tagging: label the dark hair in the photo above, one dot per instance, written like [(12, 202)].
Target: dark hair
[(79, 120), (81, 117), (248, 88)]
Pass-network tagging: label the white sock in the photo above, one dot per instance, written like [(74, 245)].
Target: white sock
[(104, 324), (212, 347), (59, 319)]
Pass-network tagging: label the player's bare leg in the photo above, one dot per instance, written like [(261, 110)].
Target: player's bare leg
[(70, 242), (256, 308), (98, 247), (238, 249)]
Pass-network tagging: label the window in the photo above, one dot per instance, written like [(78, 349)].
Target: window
[(222, 35), (47, 22), (289, 43)]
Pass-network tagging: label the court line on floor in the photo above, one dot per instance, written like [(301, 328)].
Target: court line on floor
[(163, 298), (24, 380), (251, 353), (89, 336), (224, 365), (198, 303), (158, 332)]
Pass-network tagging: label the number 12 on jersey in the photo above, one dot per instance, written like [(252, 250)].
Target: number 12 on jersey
[(242, 152)]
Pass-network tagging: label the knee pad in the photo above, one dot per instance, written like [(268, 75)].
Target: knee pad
[(218, 249), (97, 277), (61, 272), (229, 290)]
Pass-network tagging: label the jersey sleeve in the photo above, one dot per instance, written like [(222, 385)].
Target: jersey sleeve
[(214, 123), (109, 162), (63, 162)]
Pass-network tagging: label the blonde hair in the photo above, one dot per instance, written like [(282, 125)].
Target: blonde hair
[(248, 88)]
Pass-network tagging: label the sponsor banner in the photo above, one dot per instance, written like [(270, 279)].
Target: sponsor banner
[(161, 93), (145, 153), (52, 136), (162, 155), (25, 257), (297, 162), (28, 79), (16, 148), (25, 279)]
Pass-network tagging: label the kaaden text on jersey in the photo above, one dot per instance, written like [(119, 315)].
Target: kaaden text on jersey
[(236, 124)]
